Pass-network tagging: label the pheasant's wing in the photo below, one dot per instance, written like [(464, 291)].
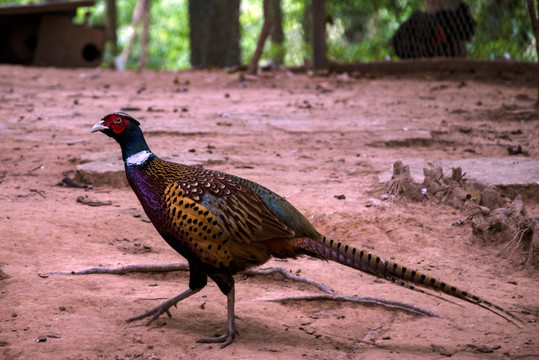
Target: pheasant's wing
[(282, 209), (237, 209), (246, 217)]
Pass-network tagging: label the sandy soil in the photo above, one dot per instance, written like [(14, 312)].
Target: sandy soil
[(309, 139)]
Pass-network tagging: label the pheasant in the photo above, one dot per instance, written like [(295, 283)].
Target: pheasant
[(223, 224)]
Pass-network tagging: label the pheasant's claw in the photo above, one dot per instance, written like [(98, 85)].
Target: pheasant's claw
[(154, 313), (226, 339), (163, 308), (152, 319)]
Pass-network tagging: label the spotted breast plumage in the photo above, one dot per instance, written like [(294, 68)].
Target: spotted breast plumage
[(223, 224)]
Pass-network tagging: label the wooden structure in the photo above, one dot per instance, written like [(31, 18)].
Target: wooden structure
[(43, 34)]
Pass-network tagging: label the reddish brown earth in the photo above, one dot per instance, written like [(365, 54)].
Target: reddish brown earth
[(307, 138)]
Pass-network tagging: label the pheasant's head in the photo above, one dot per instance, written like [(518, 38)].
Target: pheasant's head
[(126, 131), (115, 125)]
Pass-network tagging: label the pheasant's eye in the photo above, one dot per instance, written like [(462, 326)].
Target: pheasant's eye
[(117, 120)]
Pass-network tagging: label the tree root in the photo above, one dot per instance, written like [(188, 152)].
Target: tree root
[(329, 294)]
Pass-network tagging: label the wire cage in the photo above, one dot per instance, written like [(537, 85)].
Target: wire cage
[(444, 32)]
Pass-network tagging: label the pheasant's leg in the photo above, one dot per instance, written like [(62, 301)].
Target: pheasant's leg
[(164, 307), (231, 331)]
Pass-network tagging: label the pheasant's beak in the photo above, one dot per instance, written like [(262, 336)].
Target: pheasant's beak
[(99, 126)]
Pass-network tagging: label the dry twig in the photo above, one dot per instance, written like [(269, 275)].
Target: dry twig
[(329, 294)]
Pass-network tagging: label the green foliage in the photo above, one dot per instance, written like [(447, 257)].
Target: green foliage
[(503, 30), (169, 34), (359, 30), (14, 2), (168, 47)]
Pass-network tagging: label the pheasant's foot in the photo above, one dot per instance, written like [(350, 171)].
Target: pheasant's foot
[(226, 339), (231, 332), (163, 308), (154, 313)]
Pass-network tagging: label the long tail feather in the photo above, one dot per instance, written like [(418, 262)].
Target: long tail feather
[(330, 249)]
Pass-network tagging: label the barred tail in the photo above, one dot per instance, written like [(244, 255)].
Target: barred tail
[(330, 249)]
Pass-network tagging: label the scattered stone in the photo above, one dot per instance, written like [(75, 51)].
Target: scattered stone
[(99, 173), (83, 199), (70, 183), (482, 348), (374, 202), (40, 339), (152, 109), (442, 350), (516, 150), (523, 97), (130, 108)]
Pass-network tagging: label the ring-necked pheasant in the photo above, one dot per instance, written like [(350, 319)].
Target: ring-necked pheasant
[(223, 224)]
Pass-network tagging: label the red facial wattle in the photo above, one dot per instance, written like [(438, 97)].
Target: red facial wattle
[(116, 123)]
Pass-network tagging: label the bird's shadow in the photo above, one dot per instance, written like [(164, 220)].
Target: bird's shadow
[(272, 337)]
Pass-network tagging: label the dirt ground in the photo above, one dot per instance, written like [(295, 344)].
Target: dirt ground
[(310, 139)]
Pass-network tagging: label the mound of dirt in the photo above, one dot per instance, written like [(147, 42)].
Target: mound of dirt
[(493, 218)]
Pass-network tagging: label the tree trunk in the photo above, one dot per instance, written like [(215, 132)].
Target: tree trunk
[(307, 27), (214, 33), (264, 33), (277, 33), (319, 34), (112, 26), (145, 19), (534, 17)]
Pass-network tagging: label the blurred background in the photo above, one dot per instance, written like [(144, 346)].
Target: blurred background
[(180, 34)]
